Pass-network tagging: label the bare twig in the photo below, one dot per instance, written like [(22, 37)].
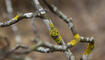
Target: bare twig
[(34, 27), (40, 46)]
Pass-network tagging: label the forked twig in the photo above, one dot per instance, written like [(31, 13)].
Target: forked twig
[(53, 31), (77, 38), (46, 47)]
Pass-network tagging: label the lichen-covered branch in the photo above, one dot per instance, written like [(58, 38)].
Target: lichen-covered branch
[(16, 19), (90, 47), (40, 46), (46, 47), (53, 31), (77, 38), (55, 10)]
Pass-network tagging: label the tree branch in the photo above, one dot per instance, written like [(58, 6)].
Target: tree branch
[(77, 38), (17, 19), (53, 31)]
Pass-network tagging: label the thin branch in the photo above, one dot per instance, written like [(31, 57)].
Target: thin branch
[(16, 19), (47, 47), (55, 10), (52, 28), (76, 38), (40, 46), (89, 48), (34, 27), (14, 27), (43, 47)]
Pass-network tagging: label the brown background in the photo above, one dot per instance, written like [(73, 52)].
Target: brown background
[(88, 18)]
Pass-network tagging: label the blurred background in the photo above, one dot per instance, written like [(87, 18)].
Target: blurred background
[(88, 18)]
